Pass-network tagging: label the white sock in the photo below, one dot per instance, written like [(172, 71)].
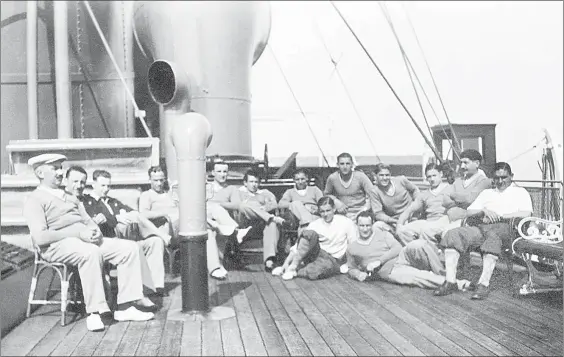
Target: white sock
[(488, 261), (451, 263)]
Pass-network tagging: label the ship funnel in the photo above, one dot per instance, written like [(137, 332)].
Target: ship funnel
[(169, 85), (201, 54)]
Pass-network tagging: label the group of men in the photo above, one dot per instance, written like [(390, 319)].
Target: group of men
[(354, 225)]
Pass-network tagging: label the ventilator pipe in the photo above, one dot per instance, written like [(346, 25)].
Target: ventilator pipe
[(62, 75), (169, 85), (31, 38), (190, 135)]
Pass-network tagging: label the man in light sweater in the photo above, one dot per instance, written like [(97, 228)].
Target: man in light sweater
[(433, 203), (60, 226), (160, 205), (466, 188), (301, 200), (322, 245), (351, 190), (495, 208), (377, 254)]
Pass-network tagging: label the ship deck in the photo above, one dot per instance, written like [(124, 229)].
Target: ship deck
[(335, 316)]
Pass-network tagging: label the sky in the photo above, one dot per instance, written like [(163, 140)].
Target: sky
[(493, 63)]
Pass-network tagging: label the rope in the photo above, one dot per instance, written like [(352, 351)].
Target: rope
[(138, 113), (335, 63), (526, 151), (298, 103), (409, 66), (457, 145), (431, 146)]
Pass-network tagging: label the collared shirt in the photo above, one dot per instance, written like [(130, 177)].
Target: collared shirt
[(512, 199), (108, 206)]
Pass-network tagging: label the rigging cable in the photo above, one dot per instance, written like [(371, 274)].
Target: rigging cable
[(433, 79), (389, 85), (298, 103), (526, 151), (409, 66), (318, 33)]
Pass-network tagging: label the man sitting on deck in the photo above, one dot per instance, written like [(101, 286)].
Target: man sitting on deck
[(434, 203), (158, 204), (321, 247), (301, 200), (494, 208), (376, 253), (465, 189), (110, 214), (60, 226), (351, 190)]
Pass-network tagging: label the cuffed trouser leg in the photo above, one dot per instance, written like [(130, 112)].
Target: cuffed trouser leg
[(226, 224), (271, 233), (126, 255), (153, 249), (408, 275), (422, 255), (90, 262), (212, 252)]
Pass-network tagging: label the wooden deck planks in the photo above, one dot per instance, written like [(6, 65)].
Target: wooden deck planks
[(335, 301), (248, 327), (335, 316), (401, 327), (313, 339)]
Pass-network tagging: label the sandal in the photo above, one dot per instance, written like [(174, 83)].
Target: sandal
[(219, 273)]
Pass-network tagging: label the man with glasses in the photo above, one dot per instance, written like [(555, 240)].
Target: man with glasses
[(494, 208)]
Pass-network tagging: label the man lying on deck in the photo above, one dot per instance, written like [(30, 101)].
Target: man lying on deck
[(60, 226), (111, 214), (376, 253), (157, 204), (494, 208), (321, 247)]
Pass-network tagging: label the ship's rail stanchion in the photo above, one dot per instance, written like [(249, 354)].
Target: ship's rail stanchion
[(191, 134)]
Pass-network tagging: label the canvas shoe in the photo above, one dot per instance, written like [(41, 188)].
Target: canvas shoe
[(133, 314), (241, 233), (278, 271), (94, 323)]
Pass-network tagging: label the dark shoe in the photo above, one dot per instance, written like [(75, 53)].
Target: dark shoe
[(446, 289), (472, 287), (269, 264), (481, 293)]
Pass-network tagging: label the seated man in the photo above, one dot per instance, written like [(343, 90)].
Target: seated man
[(218, 217), (111, 214), (433, 202), (377, 253), (321, 247), (351, 190), (465, 189), (255, 207), (60, 226), (301, 201), (158, 204), (392, 195), (495, 207)]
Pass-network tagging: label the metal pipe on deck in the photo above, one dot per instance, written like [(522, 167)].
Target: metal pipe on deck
[(62, 70), (31, 43)]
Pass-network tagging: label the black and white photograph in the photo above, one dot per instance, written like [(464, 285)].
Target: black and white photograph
[(281, 178)]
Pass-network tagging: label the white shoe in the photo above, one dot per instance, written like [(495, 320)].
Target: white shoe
[(241, 233), (278, 271), (94, 323), (289, 275), (344, 268), (132, 314)]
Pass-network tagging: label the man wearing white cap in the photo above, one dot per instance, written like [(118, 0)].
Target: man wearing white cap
[(60, 226)]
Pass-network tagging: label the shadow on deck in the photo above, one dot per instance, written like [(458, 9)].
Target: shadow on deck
[(336, 316)]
